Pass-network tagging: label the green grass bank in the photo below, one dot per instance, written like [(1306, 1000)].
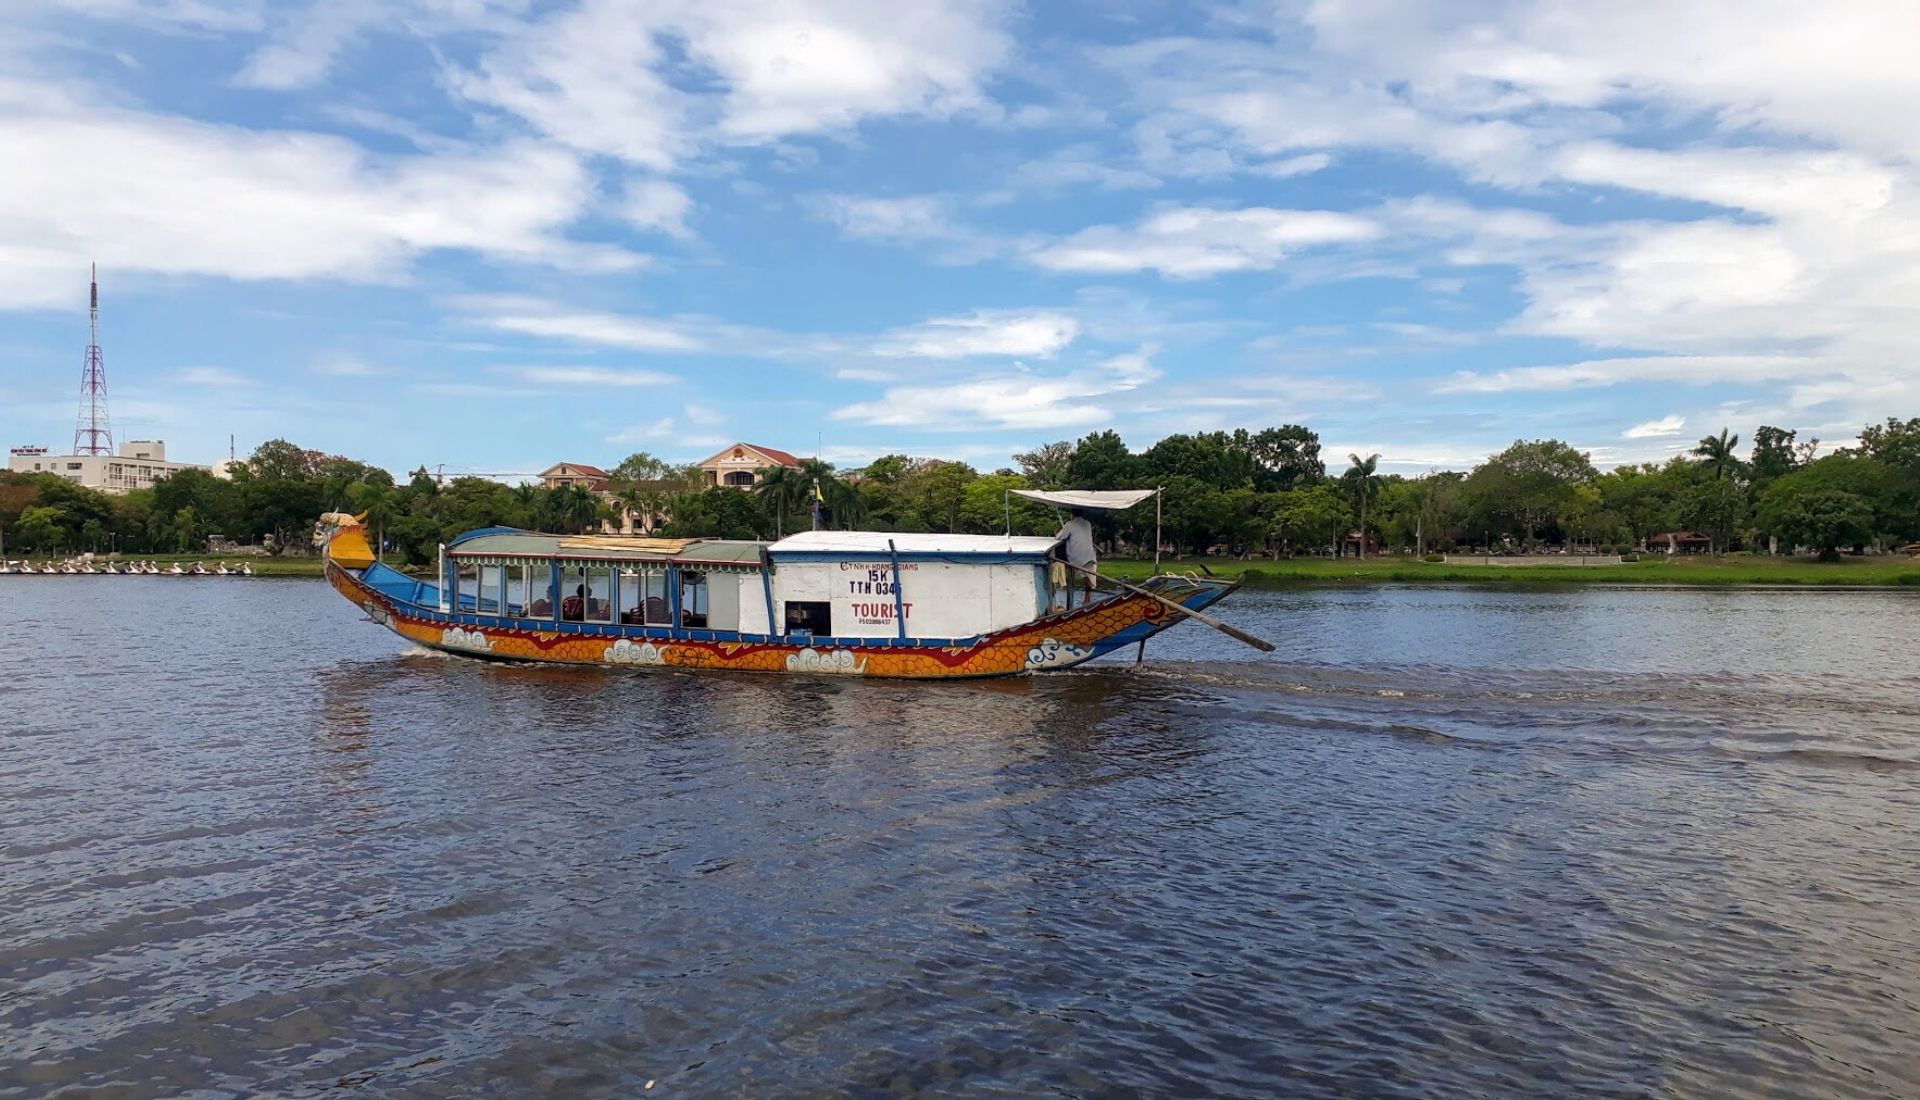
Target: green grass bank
[(1736, 569)]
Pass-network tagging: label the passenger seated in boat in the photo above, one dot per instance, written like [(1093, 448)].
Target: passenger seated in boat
[(540, 608), (573, 609)]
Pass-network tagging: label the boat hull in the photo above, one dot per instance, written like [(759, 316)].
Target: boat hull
[(1048, 644)]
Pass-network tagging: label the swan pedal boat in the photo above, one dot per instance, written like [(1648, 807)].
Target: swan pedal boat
[(856, 603)]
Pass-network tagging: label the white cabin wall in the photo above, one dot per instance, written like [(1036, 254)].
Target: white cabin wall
[(942, 599), (751, 599), (803, 581), (723, 600), (1018, 594)]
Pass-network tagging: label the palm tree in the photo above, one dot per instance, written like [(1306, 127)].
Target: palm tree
[(817, 477), (1716, 453), (845, 503), (782, 488), (377, 501), (570, 510), (1364, 481)]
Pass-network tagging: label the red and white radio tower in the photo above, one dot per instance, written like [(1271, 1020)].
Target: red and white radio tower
[(92, 436)]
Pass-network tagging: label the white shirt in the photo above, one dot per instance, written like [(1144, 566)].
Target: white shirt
[(1079, 535)]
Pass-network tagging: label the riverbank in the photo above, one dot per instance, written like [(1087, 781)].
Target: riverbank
[(262, 566), (1655, 569)]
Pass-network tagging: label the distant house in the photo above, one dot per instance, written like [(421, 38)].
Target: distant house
[(1354, 543), (739, 466), (563, 474), (1679, 542)]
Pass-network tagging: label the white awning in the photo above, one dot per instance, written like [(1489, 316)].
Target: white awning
[(1112, 500)]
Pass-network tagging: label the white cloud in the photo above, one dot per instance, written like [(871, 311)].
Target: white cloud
[(656, 206), (1075, 165), (703, 415), (587, 78), (1698, 370), (1764, 181), (906, 218), (535, 317), (1657, 429), (345, 366), (1827, 72), (591, 378), (210, 15), (593, 76), (804, 66), (1017, 400), (1037, 333), (1774, 112), (210, 376), (304, 54), (1198, 242), (662, 428), (141, 192), (1288, 167)]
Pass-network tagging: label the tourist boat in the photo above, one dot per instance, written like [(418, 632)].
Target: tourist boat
[(858, 603)]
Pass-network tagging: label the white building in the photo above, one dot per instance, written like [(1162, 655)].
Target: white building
[(139, 464)]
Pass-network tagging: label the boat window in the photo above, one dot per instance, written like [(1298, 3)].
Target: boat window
[(466, 586), (693, 599), (573, 593), (813, 616), (643, 597), (536, 590), (599, 607), (492, 582), (633, 590), (659, 612)]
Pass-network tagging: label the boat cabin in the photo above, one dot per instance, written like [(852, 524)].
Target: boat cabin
[(863, 585)]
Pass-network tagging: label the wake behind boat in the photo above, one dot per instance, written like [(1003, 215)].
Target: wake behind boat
[(861, 603)]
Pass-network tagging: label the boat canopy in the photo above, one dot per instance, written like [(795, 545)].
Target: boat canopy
[(1112, 500), (881, 543), (709, 553)]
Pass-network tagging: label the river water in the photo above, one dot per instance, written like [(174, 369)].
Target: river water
[(1446, 842)]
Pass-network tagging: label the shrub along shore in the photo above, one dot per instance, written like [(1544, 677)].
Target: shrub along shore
[(1729, 569)]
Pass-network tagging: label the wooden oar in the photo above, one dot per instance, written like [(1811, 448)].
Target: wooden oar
[(1233, 632)]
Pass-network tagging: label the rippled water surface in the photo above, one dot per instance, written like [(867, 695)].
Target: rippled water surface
[(1445, 843)]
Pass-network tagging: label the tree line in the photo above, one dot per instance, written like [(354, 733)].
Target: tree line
[(1250, 492)]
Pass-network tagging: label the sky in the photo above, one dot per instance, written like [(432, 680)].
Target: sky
[(497, 234)]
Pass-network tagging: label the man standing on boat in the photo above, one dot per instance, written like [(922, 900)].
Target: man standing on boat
[(1077, 535)]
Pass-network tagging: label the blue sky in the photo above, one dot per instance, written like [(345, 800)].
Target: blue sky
[(494, 234)]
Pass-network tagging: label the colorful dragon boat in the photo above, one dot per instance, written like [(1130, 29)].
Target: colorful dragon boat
[(859, 603)]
